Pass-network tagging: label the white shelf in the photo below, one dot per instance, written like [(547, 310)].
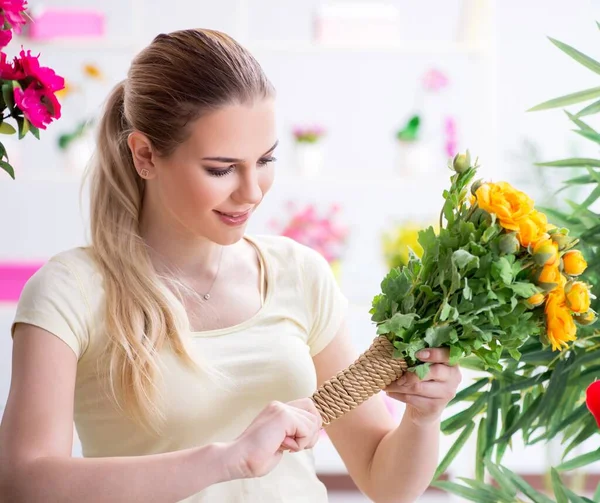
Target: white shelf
[(407, 48), (74, 43)]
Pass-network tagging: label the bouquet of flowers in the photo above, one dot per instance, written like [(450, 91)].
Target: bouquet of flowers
[(28, 89), (495, 275), (310, 134)]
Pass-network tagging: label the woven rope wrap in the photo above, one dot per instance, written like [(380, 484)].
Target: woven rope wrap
[(373, 371)]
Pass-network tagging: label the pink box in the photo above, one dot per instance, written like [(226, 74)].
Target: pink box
[(59, 23), (13, 276)]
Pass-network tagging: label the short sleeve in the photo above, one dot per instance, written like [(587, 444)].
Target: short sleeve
[(53, 299), (327, 305)]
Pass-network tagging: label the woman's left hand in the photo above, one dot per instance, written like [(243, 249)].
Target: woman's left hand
[(425, 400)]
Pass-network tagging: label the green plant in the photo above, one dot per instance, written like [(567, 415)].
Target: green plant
[(541, 395)]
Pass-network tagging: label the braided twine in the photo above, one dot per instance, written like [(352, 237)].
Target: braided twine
[(373, 371)]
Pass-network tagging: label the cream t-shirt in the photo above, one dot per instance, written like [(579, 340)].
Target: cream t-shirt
[(269, 357)]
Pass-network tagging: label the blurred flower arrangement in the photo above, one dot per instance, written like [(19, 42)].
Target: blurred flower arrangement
[(309, 134), (92, 73), (323, 233), (308, 150), (28, 89)]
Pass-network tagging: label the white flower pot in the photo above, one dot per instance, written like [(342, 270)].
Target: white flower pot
[(413, 158), (309, 159)]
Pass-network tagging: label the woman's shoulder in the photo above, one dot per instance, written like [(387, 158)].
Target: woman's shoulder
[(281, 247)]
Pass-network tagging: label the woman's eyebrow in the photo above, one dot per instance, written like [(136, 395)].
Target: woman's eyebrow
[(233, 160)]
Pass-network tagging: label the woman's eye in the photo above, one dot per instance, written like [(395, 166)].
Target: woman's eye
[(266, 160), (220, 172)]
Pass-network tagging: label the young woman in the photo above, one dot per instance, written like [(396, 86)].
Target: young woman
[(183, 349)]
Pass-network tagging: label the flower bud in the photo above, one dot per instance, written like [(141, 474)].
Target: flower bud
[(577, 296), (562, 240), (586, 318), (535, 300), (574, 263), (509, 244), (545, 252), (461, 162), (475, 185)]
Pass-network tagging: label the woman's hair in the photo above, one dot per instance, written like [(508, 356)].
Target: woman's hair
[(178, 78)]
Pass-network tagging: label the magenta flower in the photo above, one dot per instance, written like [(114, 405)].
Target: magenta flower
[(31, 69), (12, 12), (38, 106), (434, 80), (5, 38)]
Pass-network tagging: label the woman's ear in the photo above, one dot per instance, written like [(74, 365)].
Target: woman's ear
[(143, 157)]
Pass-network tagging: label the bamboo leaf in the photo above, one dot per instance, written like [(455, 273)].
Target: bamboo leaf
[(593, 136), (582, 125), (589, 200), (501, 479), (574, 162), (577, 56), (579, 461), (592, 109), (481, 448), (455, 449), (557, 485), (465, 492), (525, 488), (568, 99), (469, 390)]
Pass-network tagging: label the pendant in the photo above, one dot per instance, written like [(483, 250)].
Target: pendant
[(207, 296)]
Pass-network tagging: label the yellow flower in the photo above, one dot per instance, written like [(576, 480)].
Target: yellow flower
[(93, 71), (574, 263), (545, 252), (550, 274), (507, 203), (65, 91), (560, 327), (577, 297), (532, 228), (535, 300), (397, 243)]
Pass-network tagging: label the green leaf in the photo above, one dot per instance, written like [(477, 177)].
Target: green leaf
[(591, 199), (34, 131), (8, 95), (577, 56), (479, 496), (464, 260), (574, 162), (23, 126), (597, 493), (438, 335), (502, 269), (469, 390), (3, 153), (455, 354), (482, 447), (579, 461), (593, 136), (590, 109), (397, 323), (6, 128), (559, 489), (422, 370), (523, 486), (524, 290), (455, 449), (582, 125), (569, 99), (8, 168)]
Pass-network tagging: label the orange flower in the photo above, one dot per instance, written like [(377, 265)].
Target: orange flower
[(574, 263), (535, 300), (577, 297), (507, 203), (560, 327), (532, 228), (545, 252), (93, 71), (550, 274)]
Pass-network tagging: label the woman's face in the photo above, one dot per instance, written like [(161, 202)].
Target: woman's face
[(224, 168)]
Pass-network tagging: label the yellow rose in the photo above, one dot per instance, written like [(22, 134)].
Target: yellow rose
[(577, 297), (550, 274), (560, 327), (535, 300), (507, 203), (545, 252), (574, 263), (532, 228)]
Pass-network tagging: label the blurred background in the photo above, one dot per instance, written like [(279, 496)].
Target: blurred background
[(373, 99)]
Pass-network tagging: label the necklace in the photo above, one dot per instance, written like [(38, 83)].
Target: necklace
[(206, 296)]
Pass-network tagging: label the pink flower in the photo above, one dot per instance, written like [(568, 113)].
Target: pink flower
[(5, 38), (46, 77), (12, 12), (38, 106), (434, 80), (7, 70)]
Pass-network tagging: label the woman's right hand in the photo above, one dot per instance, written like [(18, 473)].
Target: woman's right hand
[(280, 426)]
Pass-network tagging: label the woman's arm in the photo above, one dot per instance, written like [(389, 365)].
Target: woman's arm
[(36, 438), (388, 462)]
